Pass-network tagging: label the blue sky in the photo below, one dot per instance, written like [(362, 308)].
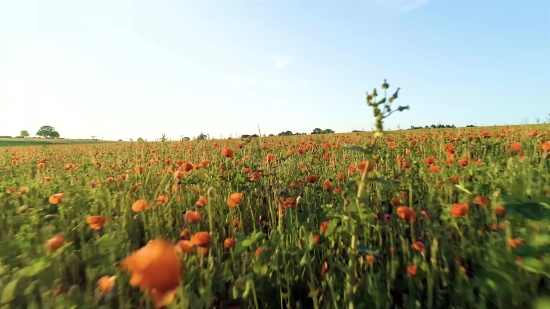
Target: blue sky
[(129, 69)]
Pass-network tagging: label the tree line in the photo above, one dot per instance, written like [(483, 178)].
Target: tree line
[(438, 126), (44, 132)]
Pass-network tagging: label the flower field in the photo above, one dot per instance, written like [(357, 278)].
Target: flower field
[(431, 220), (424, 219)]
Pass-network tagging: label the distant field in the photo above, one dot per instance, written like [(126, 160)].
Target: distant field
[(515, 126), (8, 142)]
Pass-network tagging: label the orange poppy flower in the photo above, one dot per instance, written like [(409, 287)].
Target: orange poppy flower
[(56, 198), (370, 259), (202, 201), (316, 238), (429, 160), (515, 147), (201, 239), (324, 226), (418, 246), (155, 268), (192, 216), (162, 199), (234, 199), (412, 270), (96, 222), (186, 166), (178, 174), (481, 201), (55, 242), (459, 210), (270, 158), (312, 179), (515, 242), (185, 246), (365, 167), (255, 176), (499, 210), (228, 152), (229, 242), (139, 169), (140, 205), (202, 251), (406, 213), (106, 283)]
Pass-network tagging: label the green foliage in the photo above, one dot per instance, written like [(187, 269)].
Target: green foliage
[(47, 132)]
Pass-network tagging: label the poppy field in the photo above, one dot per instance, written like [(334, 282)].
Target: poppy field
[(452, 218)]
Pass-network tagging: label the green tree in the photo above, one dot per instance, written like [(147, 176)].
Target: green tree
[(202, 137), (45, 131), (317, 131), (24, 134), (54, 134)]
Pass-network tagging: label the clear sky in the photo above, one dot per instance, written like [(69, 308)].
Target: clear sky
[(129, 69)]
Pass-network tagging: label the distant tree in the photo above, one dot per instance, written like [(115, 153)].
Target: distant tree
[(24, 134), (45, 131), (317, 131), (54, 134), (202, 137), (185, 138), (140, 139), (433, 126), (286, 133)]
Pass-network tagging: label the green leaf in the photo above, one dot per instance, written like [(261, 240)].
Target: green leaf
[(535, 265), (530, 210), (461, 187), (540, 240), (246, 243), (256, 236), (4, 270), (9, 292), (260, 270)]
